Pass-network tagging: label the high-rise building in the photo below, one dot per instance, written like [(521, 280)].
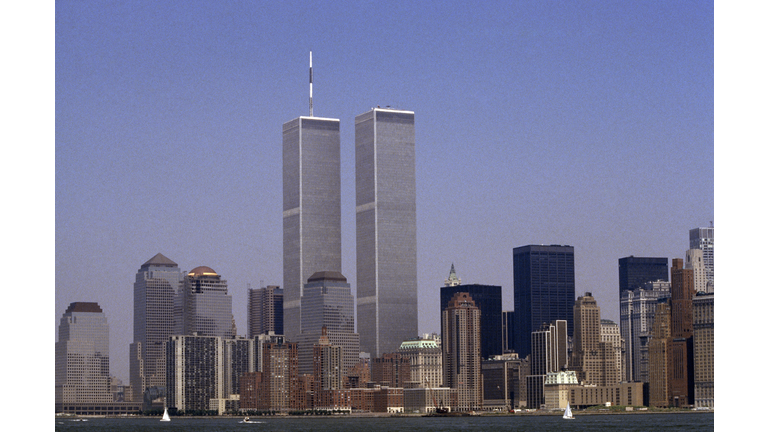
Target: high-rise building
[(504, 385), (311, 208), (636, 271), (82, 357), (385, 179), (328, 303), (680, 379), (154, 290), (265, 311), (327, 364), (462, 368), (195, 371), (280, 377), (240, 358), (593, 360), (637, 310), (549, 353), (704, 350), (704, 239), (203, 306), (694, 260), (391, 370), (658, 356), (544, 290), (507, 331), (610, 334), (488, 299)]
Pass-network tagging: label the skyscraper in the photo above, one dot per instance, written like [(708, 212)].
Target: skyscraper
[(195, 371), (704, 239), (637, 310), (680, 377), (311, 208), (594, 360), (157, 281), (488, 299), (544, 290), (462, 368), (704, 350), (549, 353), (82, 357), (385, 179), (203, 305), (636, 271), (265, 311)]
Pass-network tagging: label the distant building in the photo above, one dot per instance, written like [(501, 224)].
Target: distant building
[(203, 306), (327, 362), (637, 310), (277, 386), (610, 334), (82, 357), (426, 359), (265, 311), (704, 239), (544, 290), (195, 370), (549, 353), (557, 388), (385, 187), (704, 350), (622, 394), (488, 299), (391, 370), (427, 400), (507, 331), (240, 358), (462, 369), (157, 281), (634, 271), (504, 382), (311, 208), (681, 379), (593, 360), (658, 356)]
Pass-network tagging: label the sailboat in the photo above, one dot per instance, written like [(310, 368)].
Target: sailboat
[(567, 414), (166, 417)]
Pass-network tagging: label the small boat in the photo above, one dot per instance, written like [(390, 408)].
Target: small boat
[(248, 420), (568, 415), (166, 417)]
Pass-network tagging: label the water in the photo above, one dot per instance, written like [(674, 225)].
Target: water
[(616, 422)]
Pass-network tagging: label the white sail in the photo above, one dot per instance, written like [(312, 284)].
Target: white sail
[(568, 414), (166, 417)]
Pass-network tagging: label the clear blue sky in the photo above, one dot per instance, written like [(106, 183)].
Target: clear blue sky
[(587, 123)]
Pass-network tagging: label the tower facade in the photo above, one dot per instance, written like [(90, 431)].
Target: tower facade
[(154, 290), (488, 299), (544, 290), (637, 309), (549, 353), (680, 374), (694, 260), (704, 239), (265, 311), (195, 371), (704, 350), (82, 356), (203, 305), (311, 208), (634, 271), (385, 189), (594, 360), (462, 368)]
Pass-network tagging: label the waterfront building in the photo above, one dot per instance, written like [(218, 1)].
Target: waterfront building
[(504, 382), (426, 361), (154, 290), (327, 303), (195, 370), (658, 356), (385, 188), (622, 394), (610, 334), (277, 386), (549, 353), (488, 299), (240, 358), (557, 389), (637, 311), (391, 370), (462, 369), (704, 239), (704, 350), (680, 375), (203, 305), (423, 400), (634, 271), (82, 357), (327, 363), (593, 360), (311, 208), (265, 311), (544, 290)]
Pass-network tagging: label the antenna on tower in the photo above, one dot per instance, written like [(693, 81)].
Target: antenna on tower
[(310, 83)]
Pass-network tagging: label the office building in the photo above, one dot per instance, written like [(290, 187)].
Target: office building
[(426, 358), (593, 360), (637, 311), (680, 376), (658, 356), (265, 311), (154, 290), (240, 358), (327, 364), (611, 335), (704, 350), (203, 305), (462, 368), (391, 370), (488, 299), (549, 353), (694, 260), (704, 239), (504, 386), (328, 303), (195, 371), (82, 357), (311, 208), (544, 290), (636, 271), (385, 188), (507, 331)]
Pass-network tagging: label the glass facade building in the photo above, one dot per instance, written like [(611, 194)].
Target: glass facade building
[(634, 271), (544, 290), (704, 239), (385, 195), (311, 208), (265, 311), (203, 306), (488, 299)]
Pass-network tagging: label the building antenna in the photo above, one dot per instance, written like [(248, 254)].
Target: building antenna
[(310, 83)]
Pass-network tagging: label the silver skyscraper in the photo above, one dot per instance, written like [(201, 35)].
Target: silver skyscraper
[(385, 177), (311, 209)]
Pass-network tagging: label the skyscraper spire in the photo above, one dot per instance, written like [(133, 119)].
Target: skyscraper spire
[(452, 280)]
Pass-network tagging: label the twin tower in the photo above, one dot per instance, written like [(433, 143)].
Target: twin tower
[(385, 210)]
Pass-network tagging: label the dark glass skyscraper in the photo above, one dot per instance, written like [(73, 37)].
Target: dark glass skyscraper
[(311, 208), (634, 271), (487, 298), (385, 179), (544, 290)]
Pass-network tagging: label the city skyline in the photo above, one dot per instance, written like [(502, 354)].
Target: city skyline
[(535, 125)]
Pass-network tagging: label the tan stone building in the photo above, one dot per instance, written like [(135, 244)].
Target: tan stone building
[(461, 352), (594, 361), (658, 386), (704, 350)]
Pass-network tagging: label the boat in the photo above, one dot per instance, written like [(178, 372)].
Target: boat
[(568, 415), (166, 417)]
